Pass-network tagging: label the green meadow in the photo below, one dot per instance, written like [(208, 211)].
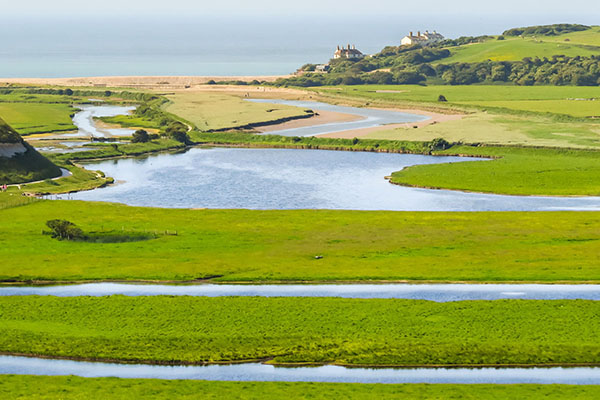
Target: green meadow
[(243, 245), (73, 388), (515, 171), (167, 329)]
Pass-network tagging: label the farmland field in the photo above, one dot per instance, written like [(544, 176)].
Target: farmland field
[(289, 330), (234, 245)]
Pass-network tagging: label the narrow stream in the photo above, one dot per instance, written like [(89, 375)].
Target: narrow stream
[(268, 373), (433, 292)]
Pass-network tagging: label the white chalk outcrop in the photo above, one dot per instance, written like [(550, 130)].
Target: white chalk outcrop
[(9, 150)]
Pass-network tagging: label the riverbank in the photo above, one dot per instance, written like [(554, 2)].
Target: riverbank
[(72, 388)]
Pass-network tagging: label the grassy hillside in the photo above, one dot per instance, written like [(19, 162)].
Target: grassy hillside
[(515, 49), (26, 167)]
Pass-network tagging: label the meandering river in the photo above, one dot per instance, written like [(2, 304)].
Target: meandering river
[(433, 292)]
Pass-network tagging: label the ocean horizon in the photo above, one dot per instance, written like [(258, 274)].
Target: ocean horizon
[(207, 46)]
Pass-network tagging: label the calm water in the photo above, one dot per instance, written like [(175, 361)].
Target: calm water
[(266, 373), (370, 118), (295, 179), (439, 293)]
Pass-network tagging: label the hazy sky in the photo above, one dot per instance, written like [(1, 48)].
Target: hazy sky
[(582, 9)]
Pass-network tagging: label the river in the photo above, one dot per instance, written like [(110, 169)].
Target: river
[(267, 373), (432, 292)]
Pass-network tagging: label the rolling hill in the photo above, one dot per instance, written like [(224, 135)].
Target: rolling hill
[(584, 43), (19, 162)]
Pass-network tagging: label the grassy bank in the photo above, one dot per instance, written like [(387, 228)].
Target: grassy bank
[(315, 330), (73, 388), (517, 171), (295, 142), (246, 245)]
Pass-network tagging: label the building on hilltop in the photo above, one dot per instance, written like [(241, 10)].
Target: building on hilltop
[(423, 39), (350, 53)]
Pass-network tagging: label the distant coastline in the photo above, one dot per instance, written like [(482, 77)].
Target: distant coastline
[(141, 82)]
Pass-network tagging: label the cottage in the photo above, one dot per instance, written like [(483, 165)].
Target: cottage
[(423, 39), (350, 53)]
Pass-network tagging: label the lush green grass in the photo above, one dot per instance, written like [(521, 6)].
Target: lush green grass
[(575, 108), (109, 150), (281, 245), (474, 94), (30, 118), (315, 330), (515, 49), (73, 388), (216, 111), (590, 37), (518, 171), (81, 179)]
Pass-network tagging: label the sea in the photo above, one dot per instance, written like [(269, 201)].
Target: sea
[(223, 45)]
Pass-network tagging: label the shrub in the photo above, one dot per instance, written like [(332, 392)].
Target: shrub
[(140, 136), (442, 98), (64, 230)]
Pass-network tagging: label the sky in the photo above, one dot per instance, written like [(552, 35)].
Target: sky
[(582, 9)]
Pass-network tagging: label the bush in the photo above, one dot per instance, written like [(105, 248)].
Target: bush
[(64, 230), (442, 98), (140, 136)]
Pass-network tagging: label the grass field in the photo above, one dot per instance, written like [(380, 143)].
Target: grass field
[(291, 330), (515, 49), (501, 129), (215, 111), (518, 171), (32, 118), (72, 388), (508, 115), (240, 245)]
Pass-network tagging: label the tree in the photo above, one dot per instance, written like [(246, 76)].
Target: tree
[(140, 136), (64, 230), (69, 92)]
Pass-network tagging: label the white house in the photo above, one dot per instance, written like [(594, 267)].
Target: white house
[(350, 53), (423, 39)]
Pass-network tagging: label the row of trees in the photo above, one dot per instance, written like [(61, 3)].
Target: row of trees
[(557, 71)]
